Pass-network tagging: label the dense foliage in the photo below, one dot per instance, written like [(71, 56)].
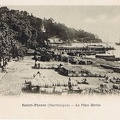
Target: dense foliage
[(19, 28)]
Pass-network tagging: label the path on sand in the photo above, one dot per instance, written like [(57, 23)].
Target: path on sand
[(19, 71), (11, 82)]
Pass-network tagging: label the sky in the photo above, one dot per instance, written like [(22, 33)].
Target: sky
[(101, 20)]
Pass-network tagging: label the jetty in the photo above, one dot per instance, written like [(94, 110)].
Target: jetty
[(84, 50)]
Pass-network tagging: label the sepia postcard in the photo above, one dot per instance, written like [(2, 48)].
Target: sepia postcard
[(59, 59)]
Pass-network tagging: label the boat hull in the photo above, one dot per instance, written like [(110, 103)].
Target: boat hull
[(115, 69)]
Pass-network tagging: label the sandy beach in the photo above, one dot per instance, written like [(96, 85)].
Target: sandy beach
[(19, 71)]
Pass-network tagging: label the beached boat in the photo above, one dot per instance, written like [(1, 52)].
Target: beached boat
[(107, 57), (114, 68)]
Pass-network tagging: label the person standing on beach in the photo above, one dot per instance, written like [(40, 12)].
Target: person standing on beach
[(38, 65), (69, 84), (33, 75)]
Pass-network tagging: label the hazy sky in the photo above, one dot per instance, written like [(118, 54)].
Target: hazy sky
[(101, 20)]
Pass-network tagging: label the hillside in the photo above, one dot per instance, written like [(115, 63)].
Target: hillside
[(25, 29)]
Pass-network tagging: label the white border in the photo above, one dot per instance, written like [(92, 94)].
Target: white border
[(59, 2), (110, 105)]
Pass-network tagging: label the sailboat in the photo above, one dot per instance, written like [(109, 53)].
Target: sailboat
[(118, 43)]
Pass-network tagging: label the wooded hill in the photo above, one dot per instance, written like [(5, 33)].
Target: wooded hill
[(25, 29)]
